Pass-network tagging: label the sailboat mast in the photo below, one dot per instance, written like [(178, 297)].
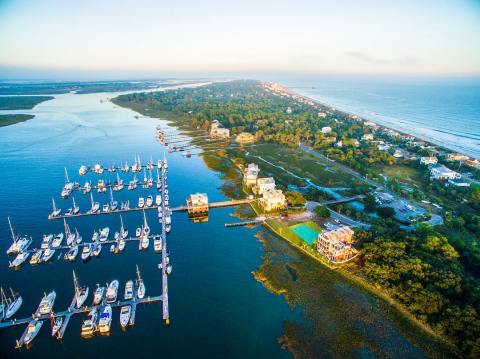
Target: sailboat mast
[(67, 229), (75, 283), (144, 219), (74, 204), (111, 195), (53, 205), (121, 222), (91, 199), (67, 180), (11, 229)]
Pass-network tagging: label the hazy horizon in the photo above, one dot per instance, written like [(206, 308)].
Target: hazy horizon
[(145, 39)]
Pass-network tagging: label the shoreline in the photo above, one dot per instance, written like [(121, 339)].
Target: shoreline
[(424, 138)]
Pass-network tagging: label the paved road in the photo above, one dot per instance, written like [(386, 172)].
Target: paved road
[(311, 205)]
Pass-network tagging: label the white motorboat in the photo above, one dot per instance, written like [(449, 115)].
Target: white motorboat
[(97, 248), (19, 243), (138, 232), (112, 291), (105, 319), (56, 325), (32, 330), (89, 325), (87, 187), (168, 219), (81, 292), (149, 201), (48, 254), (128, 290), (98, 169), (12, 305), (140, 285), (157, 243), (46, 304), (158, 200), (36, 257), (121, 245), (104, 234), (19, 259), (72, 253), (57, 240), (145, 242), (46, 241), (126, 167), (169, 269), (98, 295), (125, 314), (106, 208), (83, 170), (168, 228), (87, 251), (141, 202), (55, 211), (95, 236)]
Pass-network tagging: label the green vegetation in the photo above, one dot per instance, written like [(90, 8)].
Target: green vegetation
[(322, 211), (21, 102), (433, 274), (7, 120), (295, 198)]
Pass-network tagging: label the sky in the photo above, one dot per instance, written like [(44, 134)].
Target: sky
[(142, 38)]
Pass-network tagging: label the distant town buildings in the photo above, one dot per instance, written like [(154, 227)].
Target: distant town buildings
[(322, 114), (250, 175), (336, 245), (216, 131), (325, 130), (432, 160), (245, 137), (457, 157), (441, 172), (367, 137), (288, 110)]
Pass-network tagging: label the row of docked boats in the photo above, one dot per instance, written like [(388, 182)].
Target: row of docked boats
[(135, 167)]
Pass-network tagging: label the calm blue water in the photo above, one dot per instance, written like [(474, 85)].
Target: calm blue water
[(217, 308), (444, 111)]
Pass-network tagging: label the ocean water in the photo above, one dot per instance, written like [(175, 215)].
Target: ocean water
[(217, 308), (445, 111)]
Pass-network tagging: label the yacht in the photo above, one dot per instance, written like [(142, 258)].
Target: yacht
[(105, 319), (81, 292), (138, 232), (32, 330), (169, 269), (149, 201), (87, 187), (72, 253), (46, 304), (112, 169), (145, 241), (168, 219), (56, 325), (89, 326), (118, 184), (158, 200), (87, 251), (55, 211), (126, 167), (101, 188), (19, 259), (75, 208), (36, 257), (71, 239), (112, 291), (150, 164), (140, 285), (106, 208), (78, 236), (125, 205), (141, 202), (68, 187), (97, 248), (157, 243), (12, 305), (150, 180), (128, 290), (83, 170), (19, 243), (98, 169), (95, 236), (121, 244), (146, 228), (48, 254), (104, 234), (168, 228), (57, 240), (46, 241), (125, 314), (95, 206), (98, 295)]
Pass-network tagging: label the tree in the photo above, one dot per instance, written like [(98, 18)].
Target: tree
[(370, 203), (295, 198), (385, 212), (322, 212)]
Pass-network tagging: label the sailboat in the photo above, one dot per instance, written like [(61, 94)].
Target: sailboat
[(19, 243), (118, 184), (95, 206), (70, 236), (113, 203), (145, 180), (55, 211), (81, 292), (10, 305), (145, 241), (68, 187), (140, 285), (150, 180), (123, 231), (75, 208)]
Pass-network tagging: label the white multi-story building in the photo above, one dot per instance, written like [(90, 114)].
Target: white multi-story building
[(441, 172), (272, 200), (326, 129), (336, 245), (250, 175), (367, 137), (265, 184), (428, 160)]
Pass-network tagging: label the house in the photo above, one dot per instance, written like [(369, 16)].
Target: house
[(288, 110), (457, 157), (441, 172), (383, 147), (245, 137), (322, 114), (398, 154), (326, 129), (272, 200), (336, 245), (339, 144), (367, 137), (216, 131), (197, 204), (264, 184), (250, 175), (473, 163), (428, 160)]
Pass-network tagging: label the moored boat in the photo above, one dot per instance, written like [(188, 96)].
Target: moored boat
[(81, 292), (48, 254), (32, 330), (157, 243), (112, 291), (128, 290), (140, 285), (89, 325), (46, 304), (57, 240), (12, 305), (19, 259), (98, 295), (105, 319), (125, 314), (87, 251), (36, 257), (56, 325), (97, 248), (72, 253)]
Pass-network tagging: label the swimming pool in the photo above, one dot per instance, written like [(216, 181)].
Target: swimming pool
[(306, 233)]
